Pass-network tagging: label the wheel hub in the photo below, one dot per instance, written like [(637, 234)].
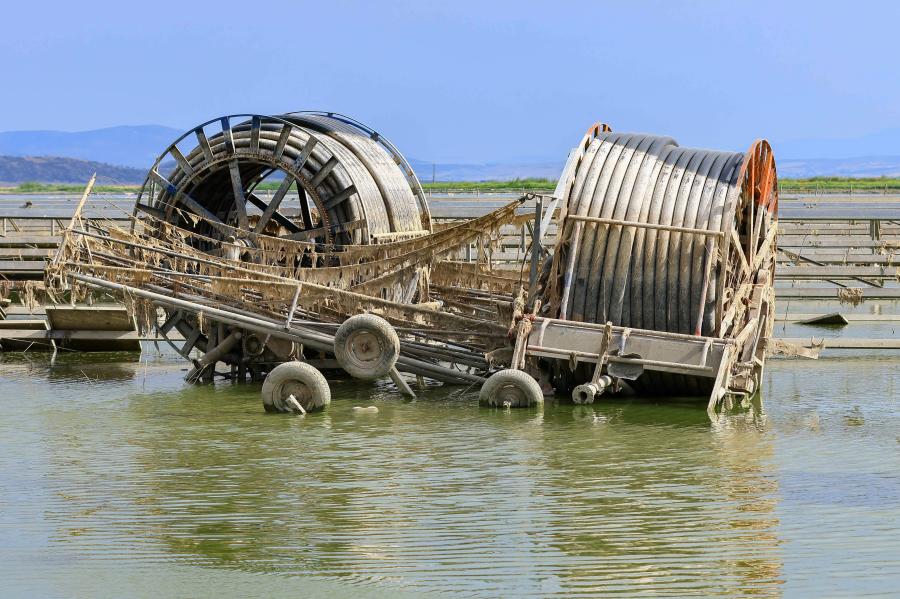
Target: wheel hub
[(511, 394), (365, 348), (299, 390)]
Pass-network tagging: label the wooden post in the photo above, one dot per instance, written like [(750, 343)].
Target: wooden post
[(875, 229), (87, 192), (404, 387)]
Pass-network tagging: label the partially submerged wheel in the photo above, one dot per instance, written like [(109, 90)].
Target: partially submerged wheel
[(366, 346), (300, 380), (511, 388)]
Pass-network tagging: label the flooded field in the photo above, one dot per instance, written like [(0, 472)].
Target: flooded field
[(117, 478)]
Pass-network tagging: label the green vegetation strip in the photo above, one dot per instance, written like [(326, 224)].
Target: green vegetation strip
[(530, 184), (843, 185), (41, 188), (840, 185), (466, 186)]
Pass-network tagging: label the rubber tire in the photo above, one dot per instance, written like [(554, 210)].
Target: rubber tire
[(302, 380), (384, 335), (515, 386)]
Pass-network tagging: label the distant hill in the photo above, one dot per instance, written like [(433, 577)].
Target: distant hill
[(135, 146), (484, 172), (867, 166), (880, 143), (53, 169)]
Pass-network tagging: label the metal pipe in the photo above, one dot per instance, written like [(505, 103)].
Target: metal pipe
[(317, 341), (568, 274), (592, 356), (656, 227), (216, 353)]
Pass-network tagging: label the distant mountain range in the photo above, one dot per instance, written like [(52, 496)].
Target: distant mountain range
[(135, 146), (70, 157), (867, 166), (879, 144), (426, 171), (53, 169)]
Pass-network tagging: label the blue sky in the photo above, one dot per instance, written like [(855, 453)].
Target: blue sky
[(463, 81)]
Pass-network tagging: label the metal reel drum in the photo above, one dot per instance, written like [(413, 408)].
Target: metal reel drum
[(352, 185), (649, 278)]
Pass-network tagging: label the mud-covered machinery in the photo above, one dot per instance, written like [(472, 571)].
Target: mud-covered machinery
[(280, 245), (338, 181), (253, 180), (662, 275)]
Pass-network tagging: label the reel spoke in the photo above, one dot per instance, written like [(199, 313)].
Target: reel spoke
[(240, 202), (273, 214)]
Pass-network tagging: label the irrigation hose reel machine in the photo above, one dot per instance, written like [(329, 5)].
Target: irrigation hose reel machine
[(352, 186), (662, 274)]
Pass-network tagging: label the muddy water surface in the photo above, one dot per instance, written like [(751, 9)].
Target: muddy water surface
[(117, 479)]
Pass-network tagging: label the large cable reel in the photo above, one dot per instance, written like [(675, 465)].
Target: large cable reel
[(337, 182), (352, 186), (670, 278)]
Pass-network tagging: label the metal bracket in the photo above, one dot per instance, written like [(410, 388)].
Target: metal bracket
[(588, 392), (604, 352)]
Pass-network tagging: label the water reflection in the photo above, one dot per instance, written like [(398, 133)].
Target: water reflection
[(622, 497), (71, 367), (567, 500)]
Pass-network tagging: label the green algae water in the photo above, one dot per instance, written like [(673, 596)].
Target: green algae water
[(118, 479)]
